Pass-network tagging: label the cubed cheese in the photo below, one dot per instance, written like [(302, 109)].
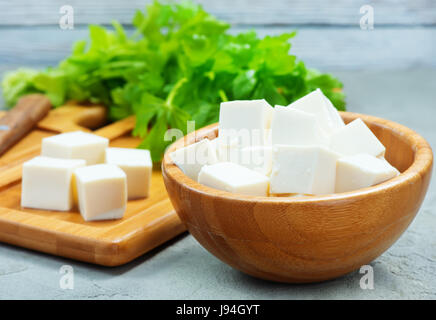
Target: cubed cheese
[(47, 183), (294, 127), (317, 104), (137, 165), (303, 169), (269, 136), (335, 117), (356, 138), (102, 192), (361, 171), (191, 158), (231, 177), (76, 145), (246, 120), (227, 150), (257, 158)]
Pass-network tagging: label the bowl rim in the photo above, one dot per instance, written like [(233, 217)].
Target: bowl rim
[(422, 162)]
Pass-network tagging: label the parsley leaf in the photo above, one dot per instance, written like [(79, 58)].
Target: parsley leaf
[(178, 65)]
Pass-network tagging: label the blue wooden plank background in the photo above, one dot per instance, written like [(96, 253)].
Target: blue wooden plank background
[(329, 33)]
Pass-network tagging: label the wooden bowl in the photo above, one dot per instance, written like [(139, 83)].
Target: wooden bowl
[(312, 238)]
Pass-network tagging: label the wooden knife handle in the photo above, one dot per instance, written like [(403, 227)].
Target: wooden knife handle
[(22, 118)]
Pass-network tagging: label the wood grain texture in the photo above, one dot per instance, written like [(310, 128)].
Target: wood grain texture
[(312, 238), (251, 12), (74, 116), (146, 224), (19, 121)]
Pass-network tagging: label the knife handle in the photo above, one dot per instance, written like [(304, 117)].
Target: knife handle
[(21, 119)]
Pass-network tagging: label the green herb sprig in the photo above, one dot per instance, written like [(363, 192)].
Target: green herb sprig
[(179, 65)]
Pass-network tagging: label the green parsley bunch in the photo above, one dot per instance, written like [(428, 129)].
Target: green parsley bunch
[(179, 65)]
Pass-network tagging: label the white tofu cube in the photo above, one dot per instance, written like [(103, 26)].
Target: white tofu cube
[(247, 121), (303, 169), (47, 183), (191, 158), (102, 192), (356, 138), (76, 145), (294, 127), (257, 158), (269, 136), (335, 117), (231, 177), (227, 150), (137, 165), (361, 171), (317, 104)]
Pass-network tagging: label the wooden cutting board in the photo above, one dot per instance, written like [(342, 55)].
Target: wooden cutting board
[(147, 223)]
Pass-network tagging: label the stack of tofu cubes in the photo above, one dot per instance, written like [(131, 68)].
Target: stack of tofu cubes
[(301, 149), (80, 168)]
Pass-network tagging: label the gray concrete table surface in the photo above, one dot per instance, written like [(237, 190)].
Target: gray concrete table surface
[(389, 72), (182, 269)]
